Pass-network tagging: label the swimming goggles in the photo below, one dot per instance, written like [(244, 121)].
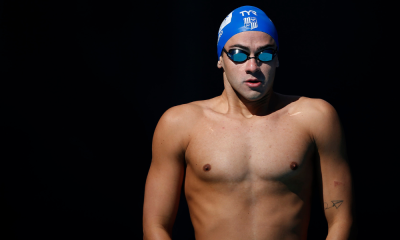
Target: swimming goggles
[(240, 56)]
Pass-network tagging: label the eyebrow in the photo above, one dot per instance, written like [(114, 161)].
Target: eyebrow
[(257, 50)]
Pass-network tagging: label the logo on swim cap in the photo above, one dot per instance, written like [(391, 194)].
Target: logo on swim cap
[(250, 22), (226, 21), (248, 12), (242, 19)]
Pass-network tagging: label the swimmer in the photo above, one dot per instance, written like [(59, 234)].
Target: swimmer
[(251, 155)]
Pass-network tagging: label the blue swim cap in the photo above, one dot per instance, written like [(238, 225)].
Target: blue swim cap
[(242, 19)]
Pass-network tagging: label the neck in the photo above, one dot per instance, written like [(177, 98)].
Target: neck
[(236, 104)]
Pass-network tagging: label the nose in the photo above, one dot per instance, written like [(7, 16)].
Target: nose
[(251, 65)]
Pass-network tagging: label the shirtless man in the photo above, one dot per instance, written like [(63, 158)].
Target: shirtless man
[(250, 154)]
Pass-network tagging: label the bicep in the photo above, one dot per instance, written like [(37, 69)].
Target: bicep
[(165, 176), (162, 192), (335, 175)]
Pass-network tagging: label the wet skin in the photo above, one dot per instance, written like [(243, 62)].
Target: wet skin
[(249, 178), (250, 157)]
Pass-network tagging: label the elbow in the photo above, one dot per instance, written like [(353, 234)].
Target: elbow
[(155, 232), (345, 229)]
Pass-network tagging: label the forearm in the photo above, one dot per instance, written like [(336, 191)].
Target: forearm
[(155, 233), (341, 231)]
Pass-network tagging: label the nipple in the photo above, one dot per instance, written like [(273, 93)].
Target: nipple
[(207, 167), (293, 166)]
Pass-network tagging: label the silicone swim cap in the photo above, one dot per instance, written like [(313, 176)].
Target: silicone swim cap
[(242, 19)]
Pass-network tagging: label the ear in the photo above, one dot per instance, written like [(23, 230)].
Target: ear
[(277, 61), (220, 62)]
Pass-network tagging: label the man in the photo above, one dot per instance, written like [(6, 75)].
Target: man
[(250, 154)]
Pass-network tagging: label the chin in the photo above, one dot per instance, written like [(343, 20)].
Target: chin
[(252, 97)]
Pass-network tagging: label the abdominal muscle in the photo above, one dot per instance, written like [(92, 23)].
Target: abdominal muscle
[(251, 209)]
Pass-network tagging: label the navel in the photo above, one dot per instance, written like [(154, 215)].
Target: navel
[(207, 167), (293, 166)]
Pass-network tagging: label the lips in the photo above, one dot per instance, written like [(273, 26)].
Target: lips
[(253, 82)]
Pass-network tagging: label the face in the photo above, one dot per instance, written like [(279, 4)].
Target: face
[(252, 79)]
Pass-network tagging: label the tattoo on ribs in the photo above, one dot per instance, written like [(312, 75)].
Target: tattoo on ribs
[(335, 203)]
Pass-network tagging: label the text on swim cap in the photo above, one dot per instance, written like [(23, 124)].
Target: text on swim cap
[(248, 12), (250, 22)]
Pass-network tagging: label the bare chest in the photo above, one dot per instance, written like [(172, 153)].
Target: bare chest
[(223, 150)]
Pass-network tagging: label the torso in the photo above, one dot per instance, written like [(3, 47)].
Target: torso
[(249, 178)]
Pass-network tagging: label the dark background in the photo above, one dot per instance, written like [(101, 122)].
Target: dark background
[(83, 84)]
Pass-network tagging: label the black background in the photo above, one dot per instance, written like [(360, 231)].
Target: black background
[(85, 82)]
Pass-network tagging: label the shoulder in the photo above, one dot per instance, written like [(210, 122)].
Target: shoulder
[(319, 116), (188, 113), (177, 122), (307, 106), (313, 113), (291, 104), (315, 107), (321, 113), (181, 114)]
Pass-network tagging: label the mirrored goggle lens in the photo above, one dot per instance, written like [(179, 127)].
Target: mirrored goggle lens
[(265, 56), (239, 57)]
